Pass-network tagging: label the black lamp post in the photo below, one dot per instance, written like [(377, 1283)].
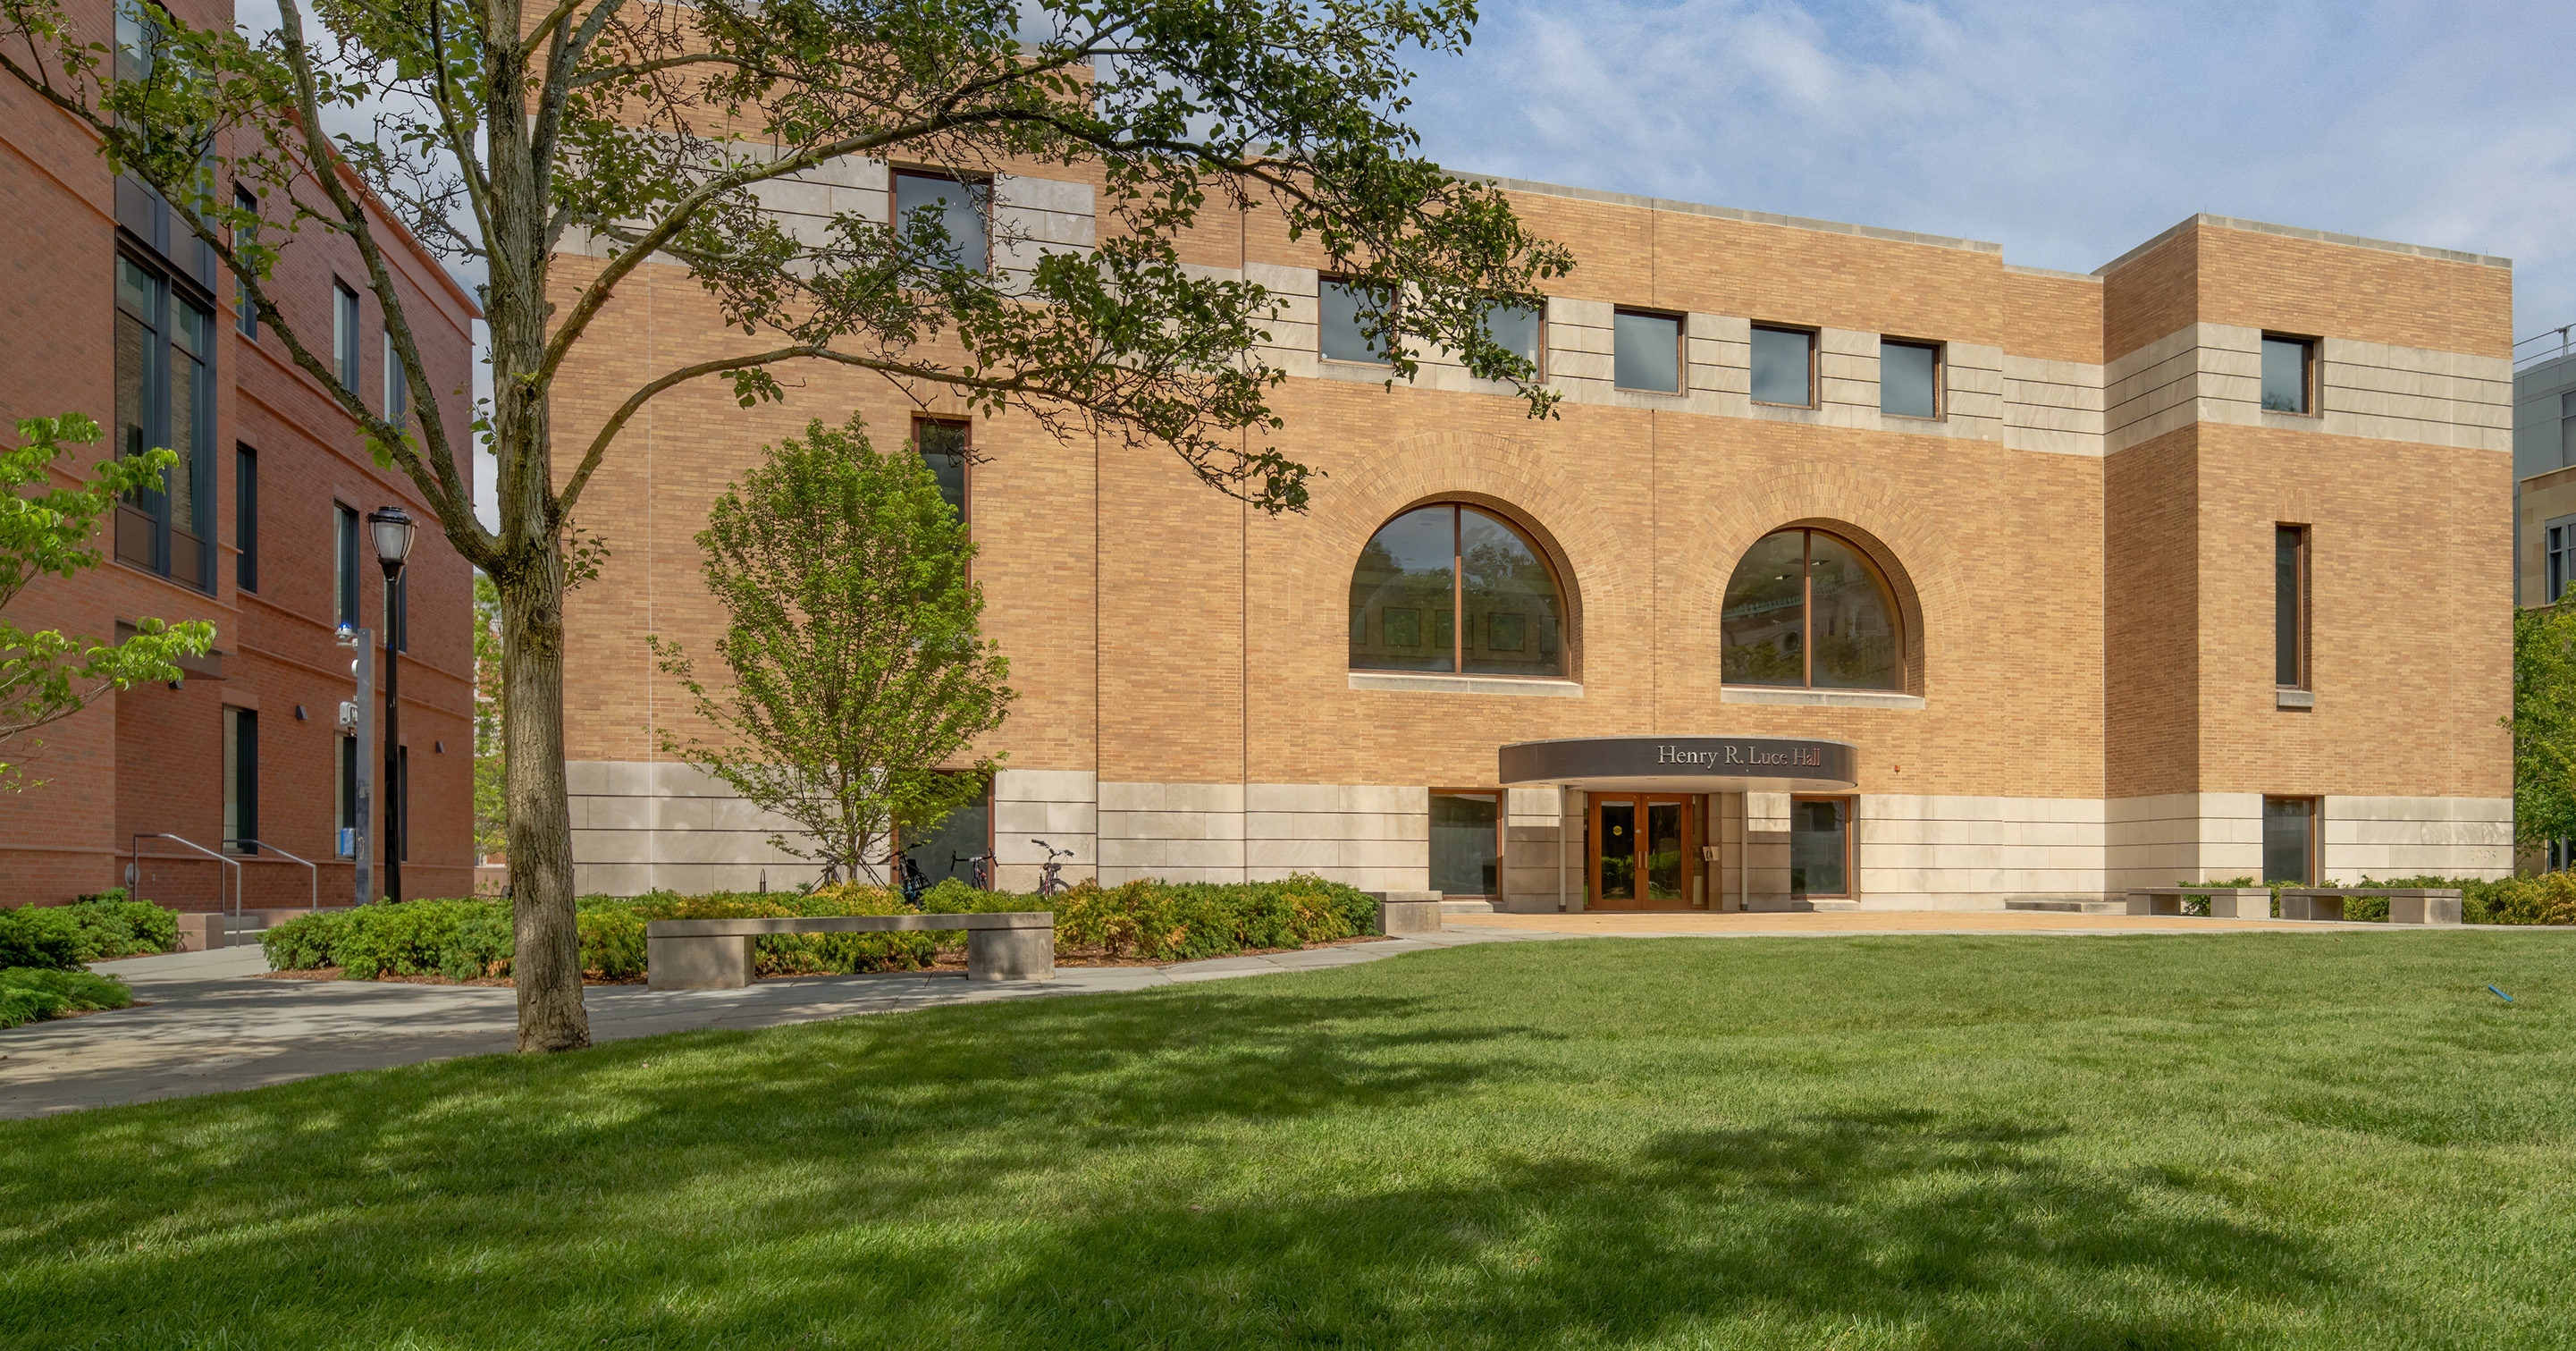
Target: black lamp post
[(391, 529)]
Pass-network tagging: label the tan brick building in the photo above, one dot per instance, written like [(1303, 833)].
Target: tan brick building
[(113, 310), (2098, 580)]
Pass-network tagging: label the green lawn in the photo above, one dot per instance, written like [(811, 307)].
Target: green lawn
[(2254, 1139)]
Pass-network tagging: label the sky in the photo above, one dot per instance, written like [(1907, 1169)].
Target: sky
[(2068, 131)]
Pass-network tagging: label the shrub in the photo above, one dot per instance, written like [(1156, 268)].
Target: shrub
[(92, 929), (1184, 921), (40, 936), (308, 940), (482, 944), (31, 994)]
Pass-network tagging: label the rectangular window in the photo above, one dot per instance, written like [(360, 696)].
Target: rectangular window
[(1820, 843), (1909, 378), (1646, 351), (1521, 332), (944, 447), (2289, 839), (2557, 558), (165, 398), (246, 518), (241, 780), (950, 847), (1784, 366), (2290, 606), (245, 314), (397, 389), (942, 213), (2567, 429), (1466, 843), (344, 332), (138, 39), (1344, 313), (346, 535), (2289, 374)]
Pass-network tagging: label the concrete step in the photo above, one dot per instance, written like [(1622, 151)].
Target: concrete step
[(1467, 908), (2071, 906)]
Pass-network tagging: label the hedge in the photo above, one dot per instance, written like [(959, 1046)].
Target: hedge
[(467, 939), (32, 994), (2549, 898), (92, 929)]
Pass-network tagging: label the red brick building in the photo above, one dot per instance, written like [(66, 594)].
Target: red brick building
[(109, 308)]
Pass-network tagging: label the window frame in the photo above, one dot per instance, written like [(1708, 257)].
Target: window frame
[(2309, 389), (397, 409), (979, 190), (245, 518), (1815, 341), (2293, 614), (1502, 819), (349, 593), (1458, 594), (2315, 863), (1851, 842), (1538, 361), (348, 323), (1807, 612), (1940, 377), (2557, 564), (1681, 350), (171, 289), (1348, 283), (241, 780), (245, 314), (966, 458)]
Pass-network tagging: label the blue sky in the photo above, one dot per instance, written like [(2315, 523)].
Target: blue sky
[(2069, 131)]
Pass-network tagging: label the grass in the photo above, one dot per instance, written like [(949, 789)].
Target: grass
[(2257, 1139)]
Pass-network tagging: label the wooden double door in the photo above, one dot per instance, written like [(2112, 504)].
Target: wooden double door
[(1644, 851)]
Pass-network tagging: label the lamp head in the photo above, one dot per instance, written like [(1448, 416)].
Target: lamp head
[(391, 528)]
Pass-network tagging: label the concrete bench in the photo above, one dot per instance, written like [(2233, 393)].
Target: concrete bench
[(2406, 905), (1407, 912), (2224, 902), (716, 954)]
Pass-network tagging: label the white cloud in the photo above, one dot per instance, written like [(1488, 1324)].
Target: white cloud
[(2067, 130)]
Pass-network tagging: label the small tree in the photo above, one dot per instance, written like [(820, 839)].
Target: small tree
[(47, 676), (857, 668), (2544, 724)]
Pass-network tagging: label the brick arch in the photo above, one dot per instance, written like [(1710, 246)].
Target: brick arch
[(1912, 549), (1497, 473)]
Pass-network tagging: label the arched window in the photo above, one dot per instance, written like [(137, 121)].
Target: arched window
[(1430, 565), (1806, 608)]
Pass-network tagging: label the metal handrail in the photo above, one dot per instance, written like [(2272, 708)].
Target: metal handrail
[(134, 870), (316, 902)]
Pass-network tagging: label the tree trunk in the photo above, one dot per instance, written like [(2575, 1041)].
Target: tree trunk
[(547, 965)]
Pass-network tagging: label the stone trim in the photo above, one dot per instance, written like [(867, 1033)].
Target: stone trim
[(1759, 694), (2297, 232), (1434, 683)]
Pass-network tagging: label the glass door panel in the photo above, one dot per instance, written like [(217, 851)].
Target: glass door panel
[(1667, 876), (1618, 838)]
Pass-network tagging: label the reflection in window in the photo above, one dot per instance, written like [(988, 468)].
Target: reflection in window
[(943, 448), (2289, 828), (164, 397), (1521, 332), (1427, 567), (1784, 366), (1804, 608), (1465, 850), (1909, 379), (950, 848), (929, 206), (1646, 351), (2285, 374), (1347, 312), (1820, 846)]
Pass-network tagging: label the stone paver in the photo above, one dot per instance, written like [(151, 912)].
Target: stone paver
[(207, 1026)]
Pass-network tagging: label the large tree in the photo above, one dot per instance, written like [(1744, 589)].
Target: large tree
[(504, 131), (851, 635)]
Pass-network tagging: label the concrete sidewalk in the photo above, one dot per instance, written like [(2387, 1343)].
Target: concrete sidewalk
[(207, 1025)]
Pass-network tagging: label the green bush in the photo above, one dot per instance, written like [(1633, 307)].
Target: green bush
[(1185, 921), (92, 929), (32, 994), (308, 940)]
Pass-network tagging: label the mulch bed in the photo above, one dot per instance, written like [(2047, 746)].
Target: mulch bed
[(947, 964)]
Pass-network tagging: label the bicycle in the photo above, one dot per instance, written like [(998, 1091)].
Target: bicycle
[(1051, 878), (981, 877), (915, 882)]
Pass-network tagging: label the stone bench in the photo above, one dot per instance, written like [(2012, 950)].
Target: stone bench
[(2406, 905), (1408, 912), (716, 954), (2224, 902)]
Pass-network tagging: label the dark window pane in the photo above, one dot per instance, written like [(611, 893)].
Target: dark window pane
[(943, 448), (1463, 857), (946, 849), (1647, 351), (1518, 331), (1344, 312), (1661, 850), (245, 315), (1619, 850), (1405, 570), (2285, 375), (1514, 617), (1781, 366), (348, 786), (957, 208), (2286, 825), (1817, 847), (1906, 375), (1851, 620), (2285, 605), (347, 561), (246, 519), (344, 333), (1762, 627)]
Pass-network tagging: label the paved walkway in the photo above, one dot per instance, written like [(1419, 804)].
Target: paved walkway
[(207, 1026)]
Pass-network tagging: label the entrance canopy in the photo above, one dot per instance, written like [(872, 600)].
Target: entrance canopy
[(1684, 764)]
